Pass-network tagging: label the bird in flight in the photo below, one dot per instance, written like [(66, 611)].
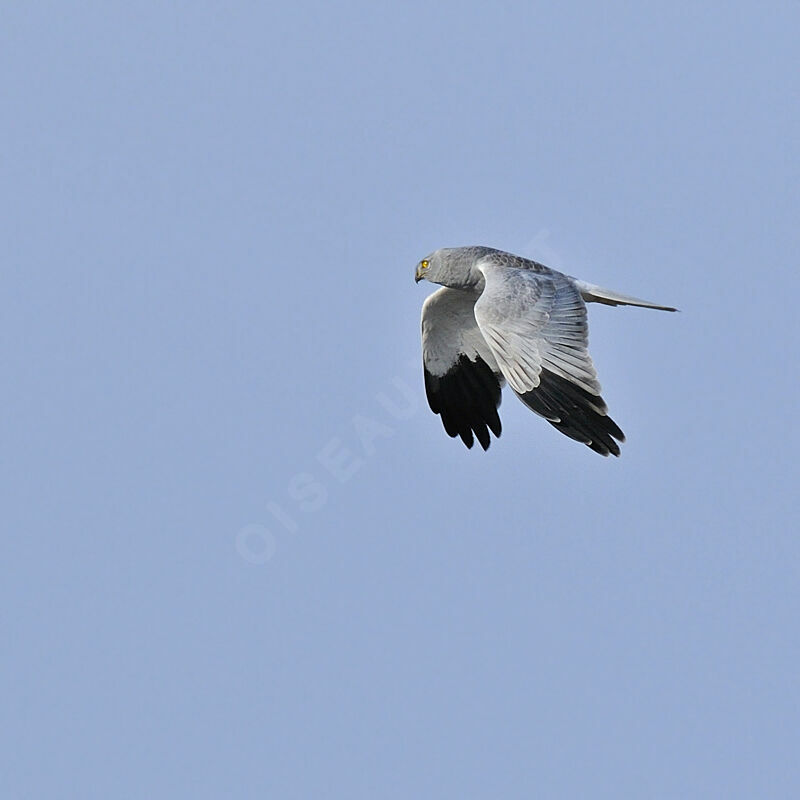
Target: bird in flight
[(503, 318)]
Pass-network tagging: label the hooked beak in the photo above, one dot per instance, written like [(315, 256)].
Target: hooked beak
[(418, 275)]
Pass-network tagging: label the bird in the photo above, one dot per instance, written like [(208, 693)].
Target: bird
[(501, 318)]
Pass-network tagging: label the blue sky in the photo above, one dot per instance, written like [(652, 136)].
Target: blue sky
[(240, 558)]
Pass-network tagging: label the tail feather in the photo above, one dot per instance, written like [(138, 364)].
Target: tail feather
[(597, 294)]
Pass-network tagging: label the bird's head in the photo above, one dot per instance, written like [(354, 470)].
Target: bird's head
[(428, 269), (456, 267)]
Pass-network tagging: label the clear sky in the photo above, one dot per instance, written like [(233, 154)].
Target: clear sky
[(240, 558)]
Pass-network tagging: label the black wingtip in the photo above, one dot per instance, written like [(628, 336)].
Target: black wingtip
[(575, 412), (466, 397)]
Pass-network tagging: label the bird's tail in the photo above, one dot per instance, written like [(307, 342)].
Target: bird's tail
[(597, 294)]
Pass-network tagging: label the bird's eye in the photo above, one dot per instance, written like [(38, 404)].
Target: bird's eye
[(424, 264)]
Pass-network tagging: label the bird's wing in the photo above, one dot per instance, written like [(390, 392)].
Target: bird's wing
[(535, 324), (462, 380)]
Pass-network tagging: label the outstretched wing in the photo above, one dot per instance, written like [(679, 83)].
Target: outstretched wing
[(535, 324), (462, 380)]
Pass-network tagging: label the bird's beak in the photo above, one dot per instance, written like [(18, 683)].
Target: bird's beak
[(417, 275)]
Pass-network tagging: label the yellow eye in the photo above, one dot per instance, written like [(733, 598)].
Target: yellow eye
[(423, 264)]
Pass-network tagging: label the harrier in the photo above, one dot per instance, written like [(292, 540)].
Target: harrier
[(503, 318)]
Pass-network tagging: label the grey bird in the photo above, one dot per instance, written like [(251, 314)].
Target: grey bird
[(503, 318)]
